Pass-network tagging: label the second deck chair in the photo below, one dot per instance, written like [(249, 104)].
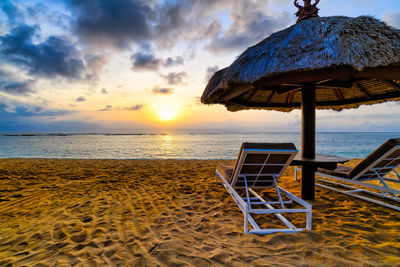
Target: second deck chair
[(376, 166), (259, 165)]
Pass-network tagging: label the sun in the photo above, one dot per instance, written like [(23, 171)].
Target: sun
[(166, 113)]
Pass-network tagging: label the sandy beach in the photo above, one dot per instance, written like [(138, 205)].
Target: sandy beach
[(170, 213)]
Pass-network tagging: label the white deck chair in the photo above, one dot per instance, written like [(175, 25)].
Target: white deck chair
[(259, 165), (376, 166)]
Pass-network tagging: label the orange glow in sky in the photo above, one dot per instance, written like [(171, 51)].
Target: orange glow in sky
[(111, 75)]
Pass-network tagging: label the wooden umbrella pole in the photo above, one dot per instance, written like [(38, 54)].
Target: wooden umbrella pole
[(308, 140)]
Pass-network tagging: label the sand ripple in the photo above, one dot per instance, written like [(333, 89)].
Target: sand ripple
[(163, 213)]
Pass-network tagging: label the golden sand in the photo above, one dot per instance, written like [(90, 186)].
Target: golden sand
[(142, 212)]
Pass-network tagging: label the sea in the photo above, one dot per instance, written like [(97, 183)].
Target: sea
[(203, 146)]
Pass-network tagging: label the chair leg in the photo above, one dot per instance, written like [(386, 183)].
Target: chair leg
[(309, 220), (279, 193), (246, 220), (296, 170), (216, 178), (398, 175), (247, 192), (384, 184)]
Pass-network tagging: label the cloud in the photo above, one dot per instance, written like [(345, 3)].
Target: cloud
[(11, 11), (149, 62), (109, 22), (250, 24), (171, 62), (13, 109), (11, 84), (130, 108), (13, 123), (162, 91), (392, 19), (190, 20), (210, 72), (36, 109), (172, 16), (16, 87), (121, 24), (104, 91), (163, 24), (106, 108), (80, 99), (174, 78), (134, 107), (52, 58), (201, 21), (7, 106), (145, 62), (16, 123), (94, 65)]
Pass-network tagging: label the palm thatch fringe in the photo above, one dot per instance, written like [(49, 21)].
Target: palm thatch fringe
[(326, 45)]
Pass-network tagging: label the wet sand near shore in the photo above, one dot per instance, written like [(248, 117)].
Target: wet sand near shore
[(60, 212)]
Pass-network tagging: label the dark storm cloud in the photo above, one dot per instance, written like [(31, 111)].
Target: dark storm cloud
[(162, 91), (170, 20), (112, 22), (174, 78), (149, 62), (80, 99), (121, 23), (163, 24), (172, 16), (210, 71), (51, 58)]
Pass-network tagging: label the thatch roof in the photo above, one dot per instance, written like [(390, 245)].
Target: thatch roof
[(352, 61)]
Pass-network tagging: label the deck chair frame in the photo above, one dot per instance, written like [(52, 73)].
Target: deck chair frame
[(247, 203), (383, 191)]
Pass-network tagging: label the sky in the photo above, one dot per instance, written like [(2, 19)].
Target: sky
[(128, 66)]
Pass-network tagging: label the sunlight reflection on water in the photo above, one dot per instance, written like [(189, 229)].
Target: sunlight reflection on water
[(177, 146)]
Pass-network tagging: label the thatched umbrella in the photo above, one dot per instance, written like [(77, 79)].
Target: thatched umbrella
[(320, 62)]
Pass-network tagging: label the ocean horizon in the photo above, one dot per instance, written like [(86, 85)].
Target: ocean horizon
[(166, 145)]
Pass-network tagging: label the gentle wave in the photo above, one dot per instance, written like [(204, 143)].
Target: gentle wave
[(174, 146)]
